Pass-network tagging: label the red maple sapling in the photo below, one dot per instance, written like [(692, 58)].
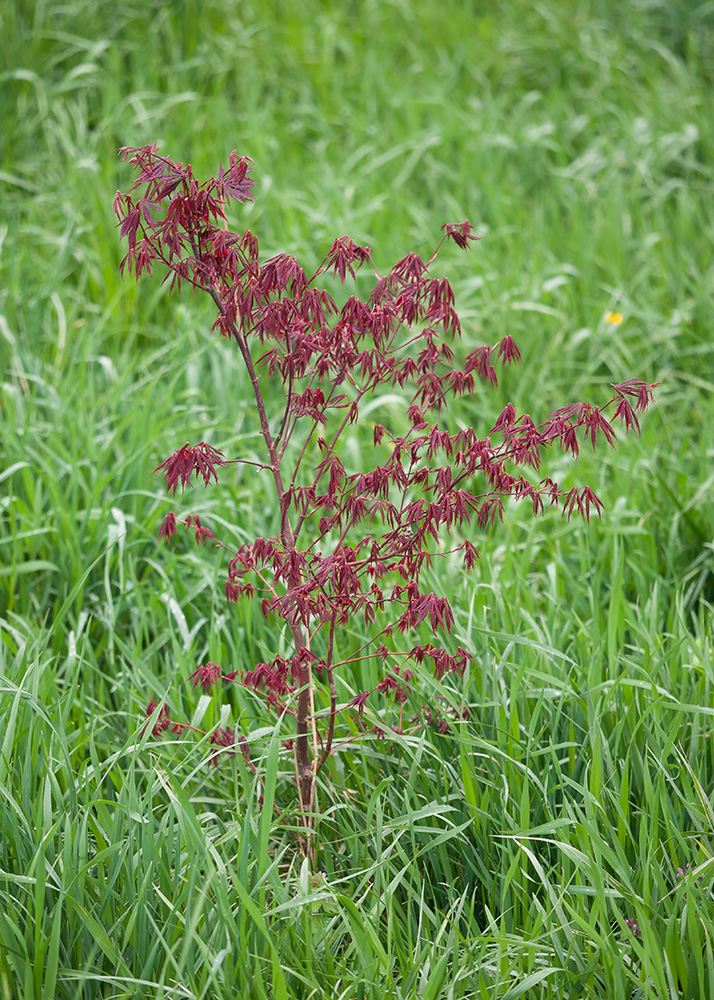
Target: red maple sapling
[(350, 543)]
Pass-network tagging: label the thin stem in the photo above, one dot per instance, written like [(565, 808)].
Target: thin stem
[(247, 461)]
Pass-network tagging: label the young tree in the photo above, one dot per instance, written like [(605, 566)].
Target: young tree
[(352, 546)]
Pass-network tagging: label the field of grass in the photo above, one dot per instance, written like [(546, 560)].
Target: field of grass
[(509, 857)]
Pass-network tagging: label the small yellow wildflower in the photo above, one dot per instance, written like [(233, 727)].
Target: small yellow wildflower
[(614, 319)]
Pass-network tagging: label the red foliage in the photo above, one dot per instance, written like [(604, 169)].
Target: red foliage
[(352, 545)]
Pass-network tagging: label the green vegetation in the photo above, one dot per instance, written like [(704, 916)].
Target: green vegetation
[(502, 859)]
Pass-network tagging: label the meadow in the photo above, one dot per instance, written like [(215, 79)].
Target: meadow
[(559, 840)]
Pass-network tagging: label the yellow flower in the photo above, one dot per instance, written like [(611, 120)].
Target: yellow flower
[(614, 319)]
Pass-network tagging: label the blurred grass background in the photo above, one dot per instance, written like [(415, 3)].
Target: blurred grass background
[(502, 859)]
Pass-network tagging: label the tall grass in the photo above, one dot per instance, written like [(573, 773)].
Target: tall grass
[(504, 858)]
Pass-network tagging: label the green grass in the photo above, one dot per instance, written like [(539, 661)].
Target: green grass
[(502, 859)]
